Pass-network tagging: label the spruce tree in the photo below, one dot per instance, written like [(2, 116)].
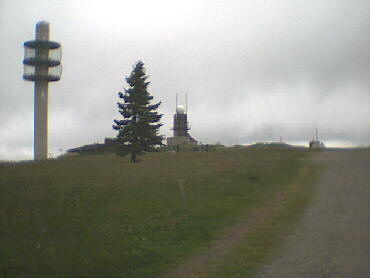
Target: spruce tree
[(139, 126)]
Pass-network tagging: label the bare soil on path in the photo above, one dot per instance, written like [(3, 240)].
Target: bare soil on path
[(202, 263), (333, 237), (197, 266)]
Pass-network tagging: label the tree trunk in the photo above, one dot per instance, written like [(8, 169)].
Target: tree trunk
[(133, 157)]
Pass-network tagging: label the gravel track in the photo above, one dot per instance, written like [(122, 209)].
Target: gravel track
[(332, 239)]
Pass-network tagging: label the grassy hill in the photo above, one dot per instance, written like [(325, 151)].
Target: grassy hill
[(100, 216)]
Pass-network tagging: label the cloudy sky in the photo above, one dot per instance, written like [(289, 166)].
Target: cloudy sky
[(253, 70)]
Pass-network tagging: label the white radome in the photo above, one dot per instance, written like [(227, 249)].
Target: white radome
[(180, 109)]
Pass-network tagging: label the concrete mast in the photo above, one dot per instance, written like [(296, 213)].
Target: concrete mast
[(41, 96), (41, 65)]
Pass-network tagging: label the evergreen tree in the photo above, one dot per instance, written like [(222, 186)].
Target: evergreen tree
[(138, 130)]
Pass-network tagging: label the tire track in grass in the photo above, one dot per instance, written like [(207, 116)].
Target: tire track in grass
[(207, 259)]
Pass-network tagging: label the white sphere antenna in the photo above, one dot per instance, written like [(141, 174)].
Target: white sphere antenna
[(180, 109)]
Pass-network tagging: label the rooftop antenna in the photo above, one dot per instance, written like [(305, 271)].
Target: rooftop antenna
[(176, 100), (186, 102), (317, 137)]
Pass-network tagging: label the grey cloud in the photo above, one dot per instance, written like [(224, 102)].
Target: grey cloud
[(253, 70)]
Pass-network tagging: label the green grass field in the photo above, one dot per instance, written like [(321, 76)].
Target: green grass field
[(101, 216)]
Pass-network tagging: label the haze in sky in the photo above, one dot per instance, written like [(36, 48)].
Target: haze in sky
[(253, 70)]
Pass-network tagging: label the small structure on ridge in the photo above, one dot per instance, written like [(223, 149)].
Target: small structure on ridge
[(315, 144)]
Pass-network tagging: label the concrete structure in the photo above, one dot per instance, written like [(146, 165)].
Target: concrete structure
[(180, 129), (109, 146), (41, 65), (315, 144)]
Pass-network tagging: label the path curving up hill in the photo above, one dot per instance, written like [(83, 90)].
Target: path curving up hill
[(333, 238)]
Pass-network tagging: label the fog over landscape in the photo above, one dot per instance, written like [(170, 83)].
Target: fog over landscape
[(253, 70)]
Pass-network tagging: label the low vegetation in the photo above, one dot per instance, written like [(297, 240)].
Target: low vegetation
[(264, 240), (101, 216)]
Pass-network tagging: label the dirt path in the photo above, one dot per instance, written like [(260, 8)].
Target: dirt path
[(199, 265), (333, 238)]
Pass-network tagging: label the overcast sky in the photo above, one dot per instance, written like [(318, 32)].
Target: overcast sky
[(253, 70)]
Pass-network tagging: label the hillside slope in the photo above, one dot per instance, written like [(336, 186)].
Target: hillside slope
[(100, 216)]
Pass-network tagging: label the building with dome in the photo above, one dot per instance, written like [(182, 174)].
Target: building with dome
[(180, 129)]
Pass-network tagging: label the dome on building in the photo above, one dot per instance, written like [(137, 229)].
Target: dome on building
[(180, 109)]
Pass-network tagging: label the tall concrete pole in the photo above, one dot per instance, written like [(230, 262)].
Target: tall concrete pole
[(41, 65), (41, 96)]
